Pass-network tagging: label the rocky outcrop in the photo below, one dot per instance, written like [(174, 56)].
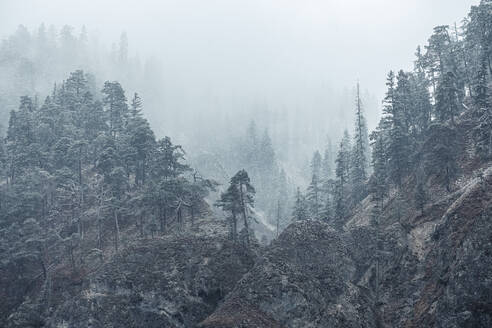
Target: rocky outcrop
[(430, 269), (171, 281), (424, 270), (457, 282), (305, 279)]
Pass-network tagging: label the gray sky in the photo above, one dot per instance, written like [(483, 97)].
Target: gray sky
[(276, 50)]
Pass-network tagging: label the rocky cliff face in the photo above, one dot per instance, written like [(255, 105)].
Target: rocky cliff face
[(305, 279), (173, 281), (456, 283), (414, 269), (428, 270)]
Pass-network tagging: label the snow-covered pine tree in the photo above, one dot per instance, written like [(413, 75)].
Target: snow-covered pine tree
[(359, 151), (447, 104), (342, 179), (300, 211), (314, 189)]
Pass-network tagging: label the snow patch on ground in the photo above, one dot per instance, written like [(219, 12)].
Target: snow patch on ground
[(362, 214), (419, 236), (473, 183)]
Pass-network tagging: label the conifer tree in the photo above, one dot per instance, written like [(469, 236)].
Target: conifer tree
[(342, 179), (441, 156), (359, 151), (114, 101), (239, 200), (378, 183), (447, 106), (314, 189), (481, 93), (300, 211), (399, 146), (140, 141)]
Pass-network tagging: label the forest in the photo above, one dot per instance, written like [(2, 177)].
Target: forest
[(254, 218)]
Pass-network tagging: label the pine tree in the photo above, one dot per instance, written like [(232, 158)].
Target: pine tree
[(114, 101), (378, 183), (399, 146), (421, 108), (481, 93), (229, 202), (239, 200), (435, 56), (441, 156), (167, 160), (300, 211), (314, 189), (359, 152), (140, 141), (447, 106), (342, 179), (22, 150)]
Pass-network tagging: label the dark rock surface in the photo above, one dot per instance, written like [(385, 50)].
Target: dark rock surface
[(434, 269), (305, 279), (173, 281), (428, 270), (457, 283)]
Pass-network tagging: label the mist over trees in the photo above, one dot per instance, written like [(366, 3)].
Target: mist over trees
[(420, 110), (77, 170), (105, 170)]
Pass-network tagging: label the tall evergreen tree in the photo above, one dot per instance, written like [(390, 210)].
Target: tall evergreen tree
[(447, 105), (239, 200), (300, 211), (378, 183), (399, 146), (342, 179), (114, 101), (481, 92), (359, 151), (314, 189)]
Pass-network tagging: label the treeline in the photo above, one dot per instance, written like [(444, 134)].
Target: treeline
[(338, 180), (421, 110), (81, 167), (30, 60)]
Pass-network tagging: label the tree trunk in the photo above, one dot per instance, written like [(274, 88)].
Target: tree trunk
[(234, 226)]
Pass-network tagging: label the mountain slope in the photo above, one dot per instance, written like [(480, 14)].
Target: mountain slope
[(170, 281)]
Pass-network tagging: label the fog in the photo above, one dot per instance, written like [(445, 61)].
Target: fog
[(207, 68), (282, 53)]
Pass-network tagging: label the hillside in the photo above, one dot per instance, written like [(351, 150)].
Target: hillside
[(103, 224)]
